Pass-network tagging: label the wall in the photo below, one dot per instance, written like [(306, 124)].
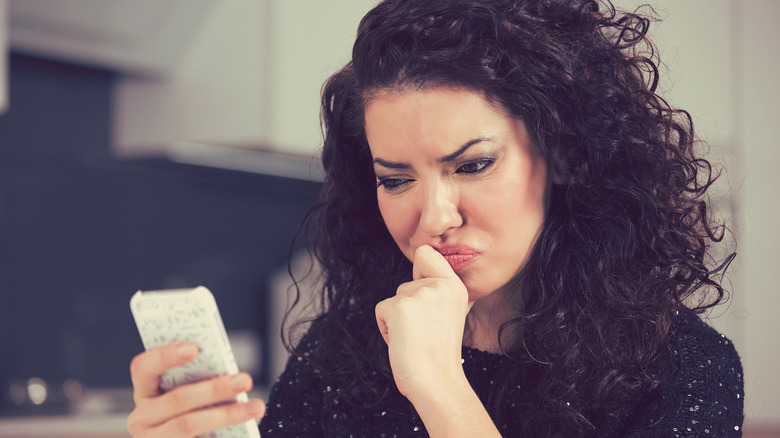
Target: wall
[(757, 115), (716, 55), (81, 231)]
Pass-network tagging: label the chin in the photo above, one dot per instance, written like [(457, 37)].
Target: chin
[(476, 292)]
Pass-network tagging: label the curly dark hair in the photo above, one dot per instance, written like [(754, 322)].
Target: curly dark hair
[(625, 247)]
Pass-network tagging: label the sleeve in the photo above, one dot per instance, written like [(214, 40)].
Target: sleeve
[(706, 395), (294, 404)]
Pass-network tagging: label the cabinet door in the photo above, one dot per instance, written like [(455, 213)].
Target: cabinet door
[(250, 79)]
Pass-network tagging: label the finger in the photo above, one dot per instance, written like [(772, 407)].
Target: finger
[(145, 369), (411, 287), (381, 322), (210, 419), (430, 263), (194, 396)]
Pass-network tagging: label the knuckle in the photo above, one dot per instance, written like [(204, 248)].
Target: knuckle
[(136, 365), (185, 425), (430, 287), (178, 399), (221, 386), (429, 291), (405, 304), (236, 413), (406, 288), (384, 304), (134, 424)]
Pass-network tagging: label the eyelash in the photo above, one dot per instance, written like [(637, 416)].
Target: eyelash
[(391, 184), (481, 164)]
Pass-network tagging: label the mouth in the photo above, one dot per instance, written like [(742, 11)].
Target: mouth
[(458, 256)]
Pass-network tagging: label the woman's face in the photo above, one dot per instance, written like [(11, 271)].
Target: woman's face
[(457, 173)]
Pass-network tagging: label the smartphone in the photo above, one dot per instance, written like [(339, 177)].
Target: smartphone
[(177, 315)]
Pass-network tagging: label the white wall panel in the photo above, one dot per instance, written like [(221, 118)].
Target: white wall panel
[(760, 130)]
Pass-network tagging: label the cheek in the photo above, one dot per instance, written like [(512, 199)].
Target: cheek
[(513, 207), (501, 196)]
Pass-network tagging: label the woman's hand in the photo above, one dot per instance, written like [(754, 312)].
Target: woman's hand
[(423, 326), (179, 412)]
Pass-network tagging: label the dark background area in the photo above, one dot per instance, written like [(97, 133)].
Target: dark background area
[(81, 231)]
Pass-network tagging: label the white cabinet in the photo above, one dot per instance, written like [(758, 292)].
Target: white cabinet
[(144, 37), (250, 78)]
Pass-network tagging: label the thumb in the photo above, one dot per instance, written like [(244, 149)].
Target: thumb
[(429, 263)]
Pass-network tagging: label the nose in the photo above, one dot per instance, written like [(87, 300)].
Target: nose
[(440, 209)]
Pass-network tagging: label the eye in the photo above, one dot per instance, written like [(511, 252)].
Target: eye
[(476, 166), (392, 184)]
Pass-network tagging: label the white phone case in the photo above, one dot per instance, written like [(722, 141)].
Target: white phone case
[(176, 315)]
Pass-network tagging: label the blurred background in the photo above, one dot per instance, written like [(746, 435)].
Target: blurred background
[(148, 144)]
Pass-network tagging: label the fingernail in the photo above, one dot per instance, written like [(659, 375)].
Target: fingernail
[(187, 350), (240, 382), (253, 408)]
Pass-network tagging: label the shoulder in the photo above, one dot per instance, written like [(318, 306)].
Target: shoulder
[(294, 403), (704, 395), (707, 363), (703, 355), (299, 366)]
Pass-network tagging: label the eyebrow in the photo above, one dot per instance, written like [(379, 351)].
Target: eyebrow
[(444, 159)]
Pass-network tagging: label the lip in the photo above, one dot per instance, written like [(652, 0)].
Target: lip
[(457, 255)]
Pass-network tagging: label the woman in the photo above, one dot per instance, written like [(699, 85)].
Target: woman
[(514, 240)]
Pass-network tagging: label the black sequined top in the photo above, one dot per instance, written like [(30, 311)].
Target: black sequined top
[(705, 397)]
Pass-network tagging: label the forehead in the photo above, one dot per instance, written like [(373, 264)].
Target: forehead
[(431, 116), (407, 92)]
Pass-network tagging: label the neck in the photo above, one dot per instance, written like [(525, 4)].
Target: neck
[(484, 321)]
